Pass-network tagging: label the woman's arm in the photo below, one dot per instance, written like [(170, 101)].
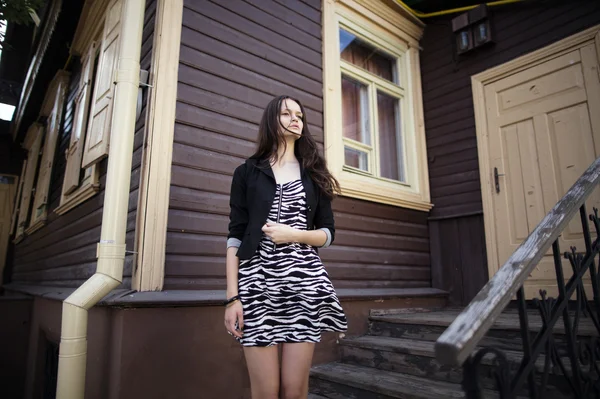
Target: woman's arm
[(238, 221), (323, 222), (232, 265), (234, 314), (282, 233)]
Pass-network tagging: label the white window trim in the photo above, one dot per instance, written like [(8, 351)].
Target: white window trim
[(389, 30)]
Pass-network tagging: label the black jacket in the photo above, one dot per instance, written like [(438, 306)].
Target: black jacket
[(252, 193)]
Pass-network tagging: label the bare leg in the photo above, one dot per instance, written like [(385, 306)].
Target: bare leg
[(295, 367), (263, 368)]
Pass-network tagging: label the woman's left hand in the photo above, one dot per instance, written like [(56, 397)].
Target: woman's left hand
[(280, 233)]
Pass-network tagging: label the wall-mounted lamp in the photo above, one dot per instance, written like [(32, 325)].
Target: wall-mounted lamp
[(472, 29)]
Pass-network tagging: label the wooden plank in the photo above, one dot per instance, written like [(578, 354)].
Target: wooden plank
[(472, 196), (75, 257), (451, 137), (311, 11), (255, 30), (338, 253), (274, 24), (316, 4), (461, 337), (379, 240), (437, 257), (199, 201), (394, 385), (195, 116), (181, 266), (472, 252), (243, 59), (225, 34), (379, 284), (457, 146), (455, 178), (361, 272), (195, 283), (467, 166), (208, 140), (456, 188), (445, 119), (239, 74), (466, 123), (452, 158), (199, 158), (294, 13), (372, 209), (457, 211), (195, 222), (375, 225), (200, 180), (239, 91), (55, 223), (218, 103)]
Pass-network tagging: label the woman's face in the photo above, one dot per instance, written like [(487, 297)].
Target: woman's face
[(290, 117)]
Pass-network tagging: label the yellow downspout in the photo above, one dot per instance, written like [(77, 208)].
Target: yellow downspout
[(419, 14), (111, 248)]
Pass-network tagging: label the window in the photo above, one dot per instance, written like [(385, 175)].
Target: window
[(375, 140), (97, 39), (40, 143), (93, 110)]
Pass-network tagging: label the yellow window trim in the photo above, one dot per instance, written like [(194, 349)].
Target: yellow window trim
[(90, 186), (52, 108), (384, 28), (82, 194)]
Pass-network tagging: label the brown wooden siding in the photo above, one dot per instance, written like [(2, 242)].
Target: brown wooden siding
[(235, 57), (63, 252), (518, 29)]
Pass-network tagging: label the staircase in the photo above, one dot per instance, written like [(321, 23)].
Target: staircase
[(397, 360)]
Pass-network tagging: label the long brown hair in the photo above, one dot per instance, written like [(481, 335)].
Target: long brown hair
[(270, 137)]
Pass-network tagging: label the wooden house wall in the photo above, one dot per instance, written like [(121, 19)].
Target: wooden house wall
[(458, 255), (63, 252), (235, 57)]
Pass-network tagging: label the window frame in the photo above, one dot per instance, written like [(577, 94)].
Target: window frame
[(397, 35)]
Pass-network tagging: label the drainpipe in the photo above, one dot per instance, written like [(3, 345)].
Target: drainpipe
[(111, 248)]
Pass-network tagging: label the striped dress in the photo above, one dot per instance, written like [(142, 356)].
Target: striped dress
[(285, 291)]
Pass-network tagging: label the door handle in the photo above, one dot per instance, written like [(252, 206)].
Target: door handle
[(496, 181)]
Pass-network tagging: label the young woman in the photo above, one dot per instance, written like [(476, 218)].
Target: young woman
[(278, 291)]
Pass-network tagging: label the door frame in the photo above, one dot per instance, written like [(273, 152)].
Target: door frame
[(478, 83)]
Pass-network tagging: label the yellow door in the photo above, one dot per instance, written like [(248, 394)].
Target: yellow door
[(544, 131), (8, 188)]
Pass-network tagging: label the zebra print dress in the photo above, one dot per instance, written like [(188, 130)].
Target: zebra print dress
[(285, 291)]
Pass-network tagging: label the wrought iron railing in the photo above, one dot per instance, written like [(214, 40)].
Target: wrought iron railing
[(572, 356)]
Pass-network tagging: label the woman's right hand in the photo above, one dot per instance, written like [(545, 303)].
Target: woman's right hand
[(233, 313)]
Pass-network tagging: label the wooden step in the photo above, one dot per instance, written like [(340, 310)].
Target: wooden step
[(346, 381), (428, 326), (315, 396), (418, 358), (508, 321)]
